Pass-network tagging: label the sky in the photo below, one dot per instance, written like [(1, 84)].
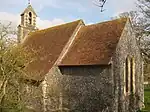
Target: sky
[(54, 12)]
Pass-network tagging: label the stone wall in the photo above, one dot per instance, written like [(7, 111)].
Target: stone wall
[(127, 46), (79, 89)]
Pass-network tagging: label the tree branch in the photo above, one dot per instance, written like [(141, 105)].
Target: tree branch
[(100, 3)]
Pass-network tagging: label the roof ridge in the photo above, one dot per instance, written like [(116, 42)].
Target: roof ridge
[(70, 41), (127, 19), (49, 45), (80, 20), (61, 24), (118, 19)]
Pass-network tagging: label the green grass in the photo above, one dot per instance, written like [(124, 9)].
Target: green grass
[(147, 99)]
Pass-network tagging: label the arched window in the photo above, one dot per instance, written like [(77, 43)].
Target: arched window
[(132, 76), (30, 18), (30, 14), (127, 68), (129, 75)]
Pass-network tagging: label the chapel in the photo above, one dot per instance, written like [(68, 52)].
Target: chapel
[(82, 68)]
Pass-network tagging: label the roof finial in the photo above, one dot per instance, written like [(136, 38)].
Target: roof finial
[(29, 2)]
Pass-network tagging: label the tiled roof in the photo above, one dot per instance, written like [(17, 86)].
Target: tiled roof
[(95, 44), (49, 43)]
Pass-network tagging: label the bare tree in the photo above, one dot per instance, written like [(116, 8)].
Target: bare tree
[(13, 60), (144, 7), (144, 11), (138, 25)]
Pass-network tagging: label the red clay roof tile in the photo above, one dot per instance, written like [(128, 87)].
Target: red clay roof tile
[(95, 44), (49, 43)]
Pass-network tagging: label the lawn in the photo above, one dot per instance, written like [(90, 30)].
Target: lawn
[(147, 99)]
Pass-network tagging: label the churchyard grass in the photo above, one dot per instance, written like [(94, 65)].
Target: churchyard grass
[(147, 99)]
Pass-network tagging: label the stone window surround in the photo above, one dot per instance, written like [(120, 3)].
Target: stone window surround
[(129, 70)]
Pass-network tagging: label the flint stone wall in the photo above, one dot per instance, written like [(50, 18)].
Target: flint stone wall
[(80, 89), (127, 46)]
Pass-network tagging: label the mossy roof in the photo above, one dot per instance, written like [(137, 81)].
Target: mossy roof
[(95, 44), (48, 44)]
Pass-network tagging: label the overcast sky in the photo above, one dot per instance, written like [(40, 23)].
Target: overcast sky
[(53, 12)]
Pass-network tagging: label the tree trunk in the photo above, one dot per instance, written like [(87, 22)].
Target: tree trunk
[(3, 92)]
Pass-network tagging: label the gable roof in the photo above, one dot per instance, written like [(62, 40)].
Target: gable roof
[(29, 8), (95, 44), (48, 44)]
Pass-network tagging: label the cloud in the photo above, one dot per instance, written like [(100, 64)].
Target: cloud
[(42, 3), (39, 5), (66, 9), (6, 17), (46, 23)]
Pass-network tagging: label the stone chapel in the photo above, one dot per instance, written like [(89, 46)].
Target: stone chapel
[(81, 68)]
